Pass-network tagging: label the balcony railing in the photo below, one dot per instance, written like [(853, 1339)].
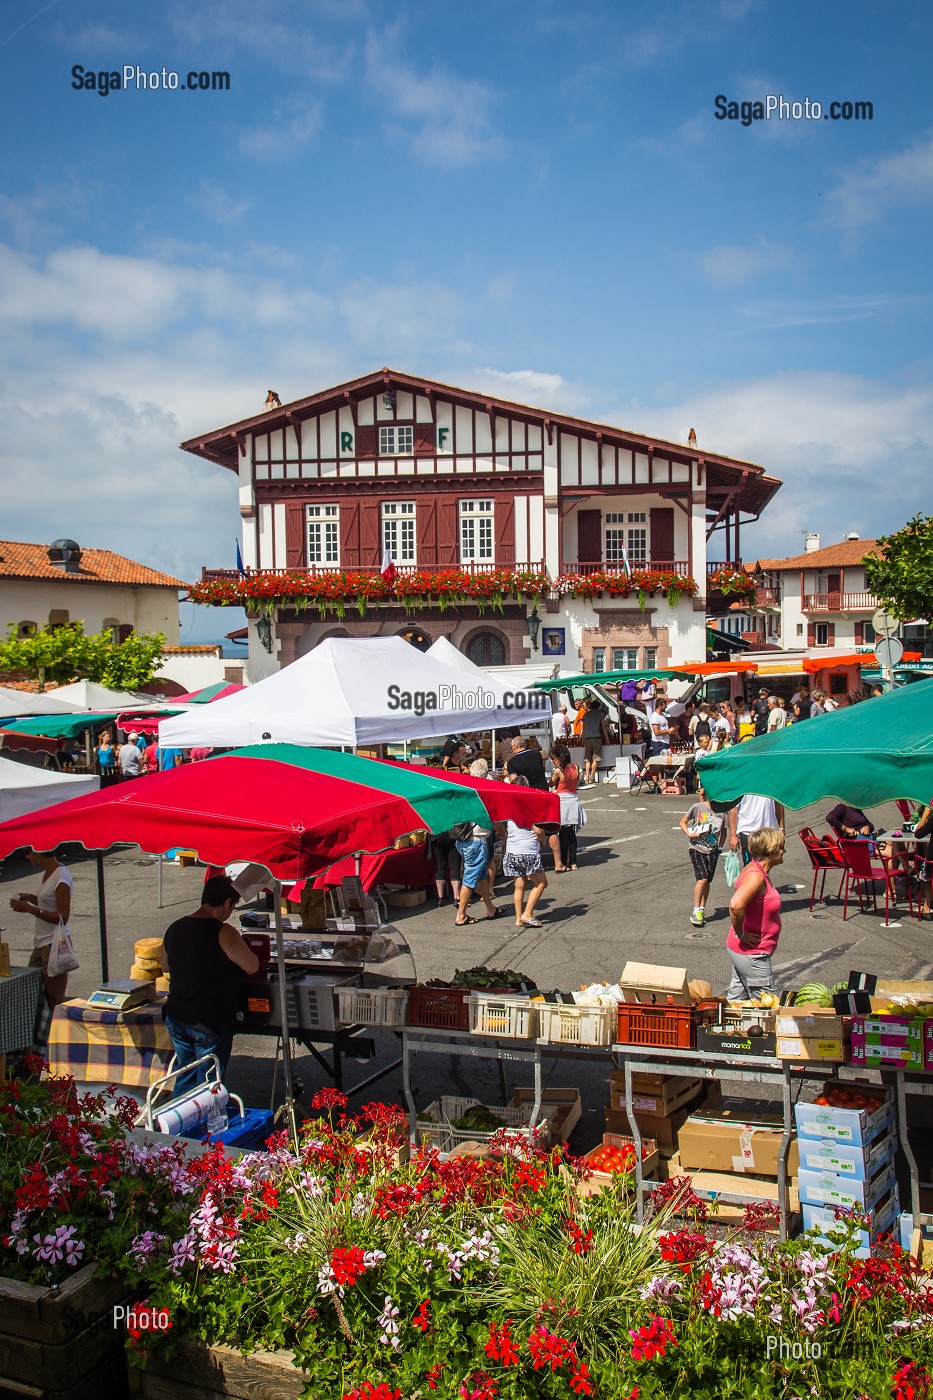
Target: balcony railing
[(315, 571), (767, 597), (839, 602), (676, 566), (713, 564)]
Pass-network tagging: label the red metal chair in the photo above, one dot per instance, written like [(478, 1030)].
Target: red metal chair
[(865, 865), (905, 808), (823, 855)]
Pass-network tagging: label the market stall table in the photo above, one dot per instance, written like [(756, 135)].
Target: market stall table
[(97, 1045), (21, 1001)]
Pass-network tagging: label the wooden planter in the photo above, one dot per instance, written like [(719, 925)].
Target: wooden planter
[(60, 1343), (199, 1372)]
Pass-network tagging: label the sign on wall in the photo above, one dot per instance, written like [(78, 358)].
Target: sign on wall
[(552, 641)]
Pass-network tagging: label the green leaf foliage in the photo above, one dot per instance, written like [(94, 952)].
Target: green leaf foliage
[(59, 655), (902, 577)]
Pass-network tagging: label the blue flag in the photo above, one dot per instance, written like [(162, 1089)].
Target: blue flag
[(239, 560)]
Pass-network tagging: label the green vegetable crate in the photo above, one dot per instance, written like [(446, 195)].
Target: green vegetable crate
[(442, 1125)]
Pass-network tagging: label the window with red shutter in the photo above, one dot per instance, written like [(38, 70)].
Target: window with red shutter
[(811, 635), (427, 530), (859, 634), (830, 634), (366, 442), (425, 440), (295, 536)]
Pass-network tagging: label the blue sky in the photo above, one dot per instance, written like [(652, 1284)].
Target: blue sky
[(533, 197)]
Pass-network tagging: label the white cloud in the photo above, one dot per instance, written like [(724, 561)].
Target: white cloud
[(853, 453), (530, 386), (734, 264), (447, 119), (294, 124), (872, 188), (214, 201)]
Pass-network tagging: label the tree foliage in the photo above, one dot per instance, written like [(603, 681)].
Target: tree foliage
[(67, 653), (902, 576)]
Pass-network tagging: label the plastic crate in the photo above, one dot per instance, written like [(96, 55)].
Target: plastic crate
[(434, 1122), (564, 1024), (513, 1017), (371, 1006), (439, 1008), (671, 1026)]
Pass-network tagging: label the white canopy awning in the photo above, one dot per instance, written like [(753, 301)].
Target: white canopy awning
[(90, 695), (356, 691), (18, 704), (24, 789)]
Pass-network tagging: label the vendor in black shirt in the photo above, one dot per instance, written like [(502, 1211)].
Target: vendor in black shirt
[(455, 755), (760, 711), (206, 959), (527, 763)]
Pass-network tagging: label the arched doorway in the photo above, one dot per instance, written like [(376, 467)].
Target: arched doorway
[(416, 637), (486, 649)]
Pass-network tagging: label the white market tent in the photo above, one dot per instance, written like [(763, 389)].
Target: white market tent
[(354, 691), (19, 704), (89, 695), (24, 789)]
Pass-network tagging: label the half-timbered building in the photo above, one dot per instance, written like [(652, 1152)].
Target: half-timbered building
[(448, 479)]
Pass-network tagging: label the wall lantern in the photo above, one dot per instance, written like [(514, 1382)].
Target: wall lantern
[(534, 625), (264, 632)]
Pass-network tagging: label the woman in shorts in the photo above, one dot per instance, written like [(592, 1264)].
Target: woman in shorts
[(522, 863)]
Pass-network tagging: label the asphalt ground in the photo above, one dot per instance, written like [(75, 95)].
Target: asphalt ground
[(631, 898)]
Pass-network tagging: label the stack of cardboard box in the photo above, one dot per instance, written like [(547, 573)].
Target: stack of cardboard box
[(847, 1161), (811, 1033), (661, 1103)]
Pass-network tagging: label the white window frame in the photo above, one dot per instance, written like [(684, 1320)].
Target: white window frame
[(599, 659), (322, 536), (477, 532), (636, 537), (651, 658), (396, 439), (399, 533)]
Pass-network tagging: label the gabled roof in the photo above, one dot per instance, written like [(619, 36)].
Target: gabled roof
[(723, 473), (21, 560), (844, 555)]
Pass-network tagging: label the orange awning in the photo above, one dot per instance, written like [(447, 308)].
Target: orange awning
[(715, 668)]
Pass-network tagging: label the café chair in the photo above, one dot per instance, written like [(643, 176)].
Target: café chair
[(823, 855), (865, 866)]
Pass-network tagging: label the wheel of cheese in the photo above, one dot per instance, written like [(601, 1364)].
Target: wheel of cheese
[(147, 949), (142, 974), (162, 984)]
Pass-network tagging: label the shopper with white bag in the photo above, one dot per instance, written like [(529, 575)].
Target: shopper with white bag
[(52, 947)]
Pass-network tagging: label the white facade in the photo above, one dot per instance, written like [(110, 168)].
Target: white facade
[(40, 601)]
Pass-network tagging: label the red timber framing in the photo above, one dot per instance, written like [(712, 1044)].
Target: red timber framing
[(325, 448)]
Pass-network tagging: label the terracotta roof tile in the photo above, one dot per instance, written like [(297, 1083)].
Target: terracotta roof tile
[(205, 649), (20, 560), (835, 556)]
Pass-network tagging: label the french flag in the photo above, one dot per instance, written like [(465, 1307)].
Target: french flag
[(388, 569)]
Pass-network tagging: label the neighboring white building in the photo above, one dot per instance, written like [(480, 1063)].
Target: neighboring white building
[(449, 479), (187, 668), (48, 585), (816, 599)]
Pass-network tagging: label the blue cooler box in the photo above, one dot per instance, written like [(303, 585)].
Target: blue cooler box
[(251, 1129)]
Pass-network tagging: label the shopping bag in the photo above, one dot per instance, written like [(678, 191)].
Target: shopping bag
[(732, 866), (62, 954)]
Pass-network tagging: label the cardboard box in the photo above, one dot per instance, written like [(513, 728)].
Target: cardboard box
[(718, 1145), (404, 899), (4, 959), (563, 1108), (855, 1127), (859, 1163), (810, 1023), (892, 1040), (795, 1047), (883, 1219), (832, 1189), (727, 1042), (657, 1094), (651, 984), (714, 1185)]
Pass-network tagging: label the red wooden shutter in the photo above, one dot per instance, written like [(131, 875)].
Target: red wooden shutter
[(370, 542), (425, 439), (296, 538), (830, 634), (859, 634), (448, 542), (426, 515), (366, 442), (349, 534), (811, 635), (504, 548), (589, 536), (661, 538)]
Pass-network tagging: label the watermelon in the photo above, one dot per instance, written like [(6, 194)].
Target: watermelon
[(813, 994), (840, 987)]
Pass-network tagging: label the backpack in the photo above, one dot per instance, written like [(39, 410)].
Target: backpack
[(463, 831)]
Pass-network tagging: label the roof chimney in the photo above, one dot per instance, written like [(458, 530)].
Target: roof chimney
[(852, 535), (692, 438), (811, 542), (66, 555)]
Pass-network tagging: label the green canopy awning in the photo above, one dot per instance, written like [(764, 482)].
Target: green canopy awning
[(863, 754), (59, 726), (440, 804), (611, 678)]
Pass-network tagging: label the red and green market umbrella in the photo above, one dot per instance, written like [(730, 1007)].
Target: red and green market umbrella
[(292, 809)]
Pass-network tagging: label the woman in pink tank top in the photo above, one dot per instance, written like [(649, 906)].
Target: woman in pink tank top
[(755, 910)]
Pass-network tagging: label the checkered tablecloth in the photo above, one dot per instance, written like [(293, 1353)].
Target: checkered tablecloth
[(22, 994), (100, 1046)]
